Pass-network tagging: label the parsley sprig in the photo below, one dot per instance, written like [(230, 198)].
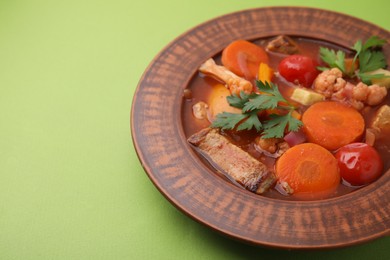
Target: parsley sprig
[(369, 55), (333, 59), (251, 105)]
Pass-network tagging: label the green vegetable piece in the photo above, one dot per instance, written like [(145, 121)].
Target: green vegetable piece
[(306, 97)]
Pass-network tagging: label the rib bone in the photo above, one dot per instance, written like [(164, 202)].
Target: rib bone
[(234, 83)]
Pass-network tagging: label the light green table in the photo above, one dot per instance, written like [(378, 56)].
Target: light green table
[(71, 186)]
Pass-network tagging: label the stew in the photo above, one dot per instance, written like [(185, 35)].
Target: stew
[(298, 118)]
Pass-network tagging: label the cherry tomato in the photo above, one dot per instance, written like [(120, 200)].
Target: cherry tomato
[(299, 69), (359, 163)]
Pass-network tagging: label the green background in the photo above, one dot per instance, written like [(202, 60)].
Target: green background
[(71, 186)]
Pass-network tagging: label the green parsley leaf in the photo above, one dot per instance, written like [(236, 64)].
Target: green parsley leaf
[(238, 101), (228, 121), (333, 59), (271, 89), (322, 68), (293, 123), (374, 41), (366, 78), (265, 86), (251, 105), (252, 121), (262, 102), (269, 98), (371, 60), (273, 94), (276, 126), (358, 46)]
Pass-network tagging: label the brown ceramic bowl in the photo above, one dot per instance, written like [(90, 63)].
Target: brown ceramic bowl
[(193, 188)]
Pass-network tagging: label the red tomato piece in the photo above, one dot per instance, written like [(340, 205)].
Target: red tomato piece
[(299, 69), (359, 163)]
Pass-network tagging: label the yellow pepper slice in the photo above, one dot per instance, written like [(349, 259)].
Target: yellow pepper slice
[(266, 73)]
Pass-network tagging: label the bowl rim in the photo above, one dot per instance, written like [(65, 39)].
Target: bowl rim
[(139, 139)]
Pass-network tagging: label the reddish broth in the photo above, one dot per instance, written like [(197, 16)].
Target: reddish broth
[(200, 88)]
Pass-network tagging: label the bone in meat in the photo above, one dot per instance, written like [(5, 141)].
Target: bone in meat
[(235, 83), (232, 160)]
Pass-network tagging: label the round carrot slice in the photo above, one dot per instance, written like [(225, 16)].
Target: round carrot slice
[(332, 124), (308, 169), (243, 58)]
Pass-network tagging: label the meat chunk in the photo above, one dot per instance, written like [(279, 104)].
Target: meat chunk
[(283, 44), (234, 83), (232, 160), (381, 120)]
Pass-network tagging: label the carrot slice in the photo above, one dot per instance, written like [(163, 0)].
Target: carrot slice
[(332, 124), (243, 58), (350, 65), (309, 169)]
